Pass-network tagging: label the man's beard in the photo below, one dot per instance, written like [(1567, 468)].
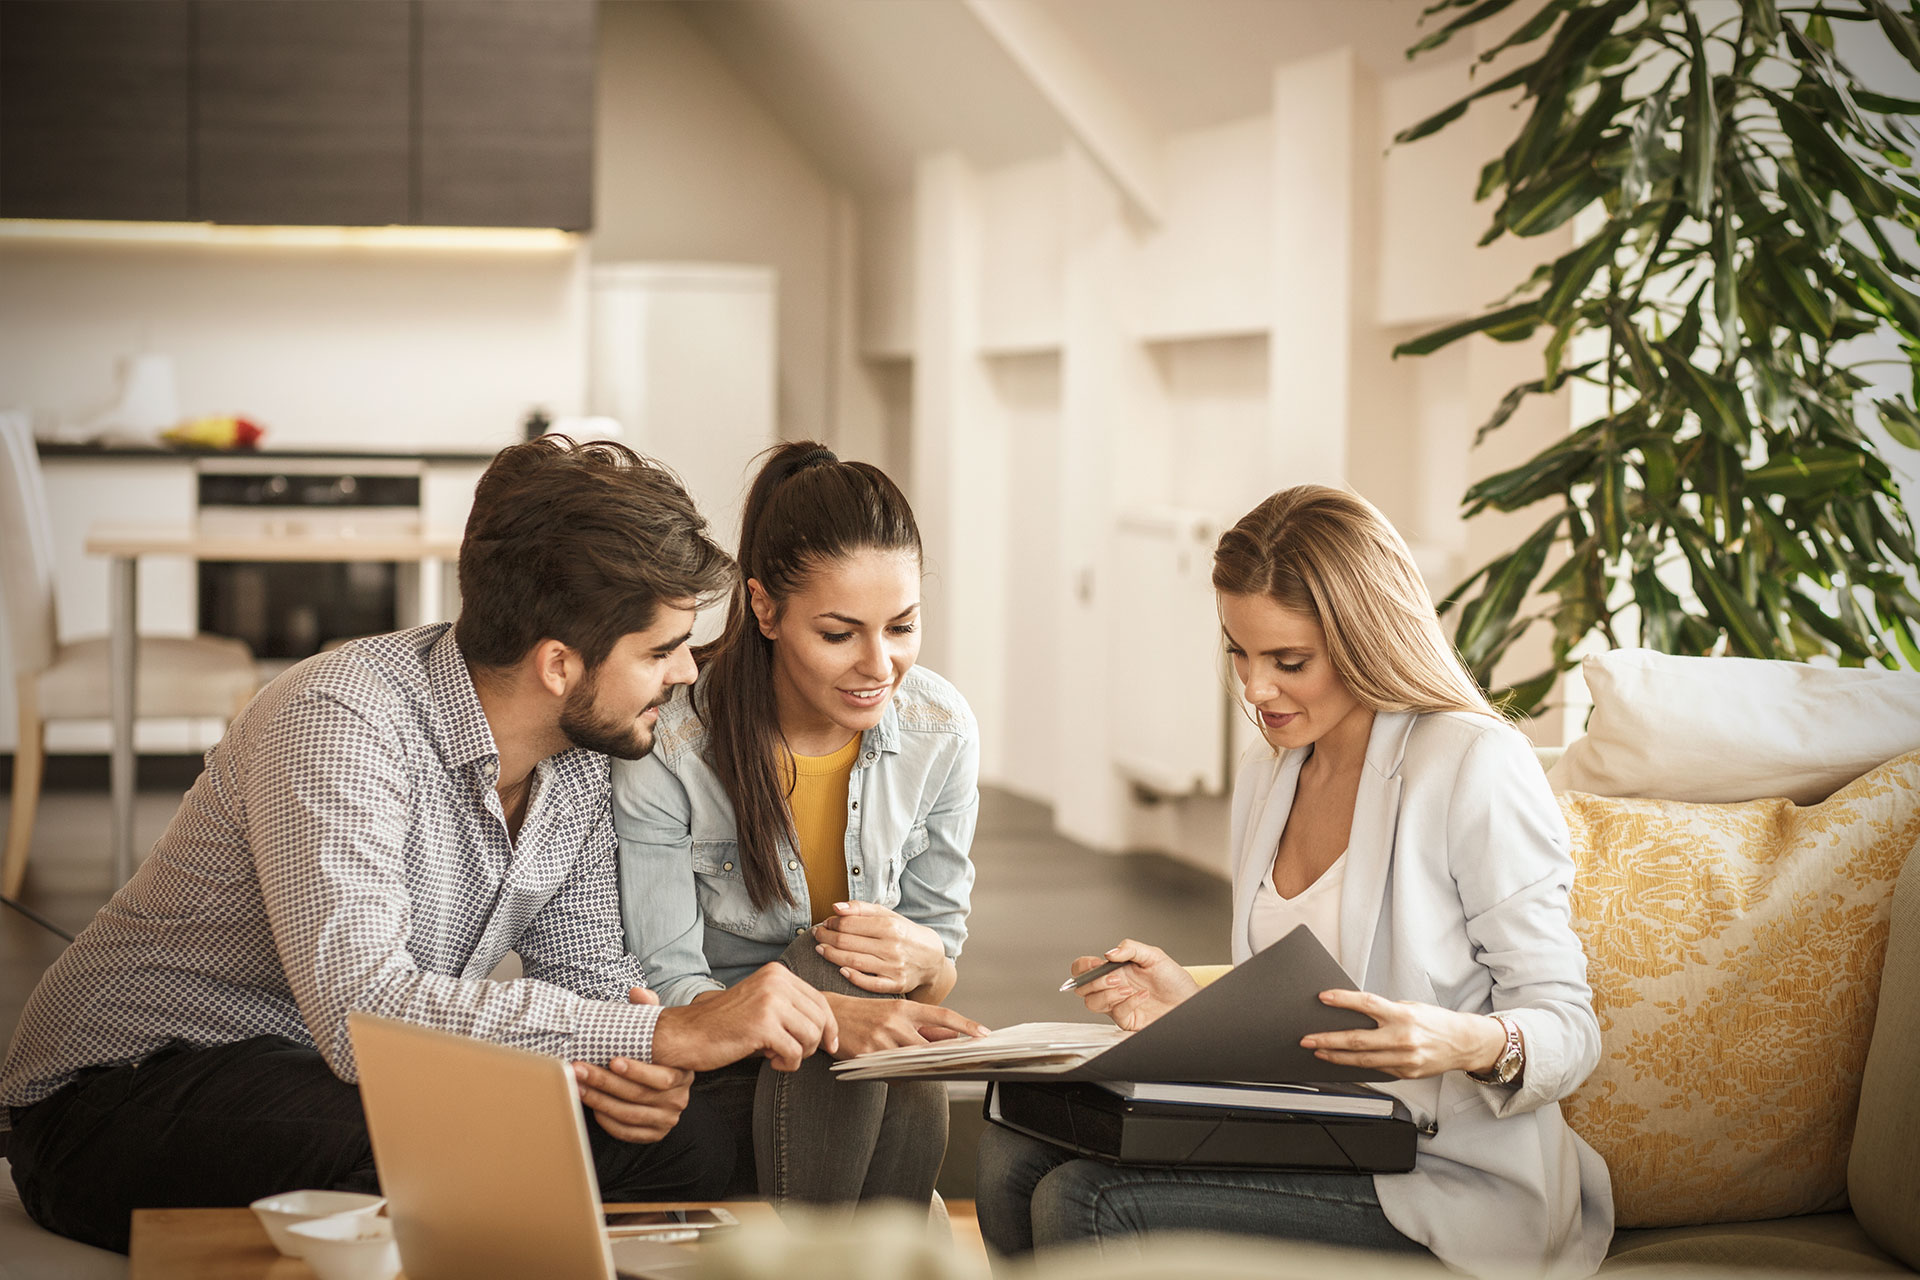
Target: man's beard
[(590, 730)]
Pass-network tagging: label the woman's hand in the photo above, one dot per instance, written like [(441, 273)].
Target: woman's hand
[(1412, 1041), (869, 1025), (878, 949), (1150, 984)]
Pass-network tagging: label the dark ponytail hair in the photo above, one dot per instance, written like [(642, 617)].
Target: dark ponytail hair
[(806, 507)]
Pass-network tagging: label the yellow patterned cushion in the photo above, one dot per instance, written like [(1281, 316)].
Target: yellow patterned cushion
[(1734, 952)]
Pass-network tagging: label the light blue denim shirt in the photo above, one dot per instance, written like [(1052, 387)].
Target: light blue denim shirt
[(911, 807)]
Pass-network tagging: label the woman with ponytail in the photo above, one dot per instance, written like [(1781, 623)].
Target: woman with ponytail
[(812, 803)]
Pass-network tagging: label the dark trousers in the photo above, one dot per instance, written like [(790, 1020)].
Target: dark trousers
[(226, 1125)]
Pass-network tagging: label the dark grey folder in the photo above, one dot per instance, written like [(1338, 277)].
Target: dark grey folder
[(1245, 1025)]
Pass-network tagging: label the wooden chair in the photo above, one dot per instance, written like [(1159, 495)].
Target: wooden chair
[(178, 675)]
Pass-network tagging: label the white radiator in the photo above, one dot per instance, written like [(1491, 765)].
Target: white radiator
[(1171, 740)]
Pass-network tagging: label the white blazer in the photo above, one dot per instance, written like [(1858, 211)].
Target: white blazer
[(1456, 894)]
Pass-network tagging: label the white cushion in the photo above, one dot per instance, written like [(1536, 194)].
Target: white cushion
[(29, 1252), (1725, 730), (178, 676)]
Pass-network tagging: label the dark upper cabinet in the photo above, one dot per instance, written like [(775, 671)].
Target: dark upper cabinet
[(506, 113), (95, 106), (350, 112), (303, 111)]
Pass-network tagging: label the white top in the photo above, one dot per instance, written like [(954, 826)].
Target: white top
[(1317, 906)]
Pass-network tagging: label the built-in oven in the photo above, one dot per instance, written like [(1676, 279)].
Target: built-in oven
[(287, 611)]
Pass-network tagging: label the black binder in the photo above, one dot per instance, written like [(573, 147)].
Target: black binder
[(1096, 1122)]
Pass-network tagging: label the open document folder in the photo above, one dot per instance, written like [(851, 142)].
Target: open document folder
[(1246, 1026)]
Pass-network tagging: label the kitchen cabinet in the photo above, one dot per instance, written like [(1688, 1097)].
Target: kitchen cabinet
[(506, 114), (306, 112), (303, 112), (95, 105)]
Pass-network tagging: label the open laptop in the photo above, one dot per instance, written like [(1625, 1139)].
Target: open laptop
[(483, 1159)]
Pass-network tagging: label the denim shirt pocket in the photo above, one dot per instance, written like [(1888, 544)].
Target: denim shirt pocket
[(902, 853), (720, 886)]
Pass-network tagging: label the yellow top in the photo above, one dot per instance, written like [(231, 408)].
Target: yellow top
[(820, 823)]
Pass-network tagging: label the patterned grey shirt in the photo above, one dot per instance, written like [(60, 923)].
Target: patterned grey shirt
[(345, 849)]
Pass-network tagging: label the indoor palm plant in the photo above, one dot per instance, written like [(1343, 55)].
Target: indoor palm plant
[(1755, 207)]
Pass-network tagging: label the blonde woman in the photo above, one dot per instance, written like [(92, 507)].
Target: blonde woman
[(1407, 825)]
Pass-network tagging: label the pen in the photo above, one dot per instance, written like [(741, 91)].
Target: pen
[(1098, 971)]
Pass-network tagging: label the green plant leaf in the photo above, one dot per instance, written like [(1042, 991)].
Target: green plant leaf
[(1900, 421), (1716, 400), (1649, 132), (1765, 17), (1539, 207), (1900, 32), (1485, 9), (1524, 697), (1441, 119), (1700, 135), (1809, 473), (1485, 619), (1819, 32), (1530, 30), (1574, 271), (1746, 630), (1509, 324), (1885, 103)]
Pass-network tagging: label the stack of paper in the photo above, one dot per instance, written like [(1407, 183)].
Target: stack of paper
[(1324, 1099), (1041, 1047)]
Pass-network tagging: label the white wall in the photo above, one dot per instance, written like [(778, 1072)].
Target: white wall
[(1240, 344), (357, 347), (689, 166)]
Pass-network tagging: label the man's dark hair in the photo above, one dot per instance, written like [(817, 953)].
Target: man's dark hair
[(579, 543)]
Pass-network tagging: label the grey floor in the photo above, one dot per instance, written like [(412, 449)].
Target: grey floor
[(1039, 900)]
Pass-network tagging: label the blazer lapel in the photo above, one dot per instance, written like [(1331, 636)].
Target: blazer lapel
[(1376, 811), (1265, 822)]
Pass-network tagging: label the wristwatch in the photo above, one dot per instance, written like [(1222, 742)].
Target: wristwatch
[(1506, 1068)]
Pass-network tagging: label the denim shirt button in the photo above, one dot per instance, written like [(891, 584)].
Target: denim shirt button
[(799, 930), (726, 866), (856, 804), (870, 755), (792, 865), (856, 871)]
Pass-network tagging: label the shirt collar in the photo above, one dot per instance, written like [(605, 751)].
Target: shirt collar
[(884, 736), (465, 736)]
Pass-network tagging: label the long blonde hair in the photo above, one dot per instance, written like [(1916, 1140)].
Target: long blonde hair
[(1331, 556)]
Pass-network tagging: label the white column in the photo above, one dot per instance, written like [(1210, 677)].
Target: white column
[(1316, 205), (960, 450)]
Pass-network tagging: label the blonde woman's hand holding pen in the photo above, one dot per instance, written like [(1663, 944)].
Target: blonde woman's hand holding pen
[(1150, 984)]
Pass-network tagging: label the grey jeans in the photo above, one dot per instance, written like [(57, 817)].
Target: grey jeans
[(1033, 1195), (809, 1138)]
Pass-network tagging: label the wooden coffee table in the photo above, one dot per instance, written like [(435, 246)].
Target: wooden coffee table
[(230, 1244)]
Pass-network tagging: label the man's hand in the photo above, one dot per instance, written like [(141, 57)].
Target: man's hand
[(634, 1101), (870, 1025), (1147, 987), (772, 1013), (878, 949)]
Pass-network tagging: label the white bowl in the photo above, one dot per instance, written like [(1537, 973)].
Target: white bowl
[(279, 1213), (349, 1246)]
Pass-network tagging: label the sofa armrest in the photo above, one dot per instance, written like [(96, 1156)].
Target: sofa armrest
[(1883, 1179)]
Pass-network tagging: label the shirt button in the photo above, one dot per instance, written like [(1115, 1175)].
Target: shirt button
[(793, 866), (869, 755), (856, 871), (797, 932), (726, 866), (856, 804)]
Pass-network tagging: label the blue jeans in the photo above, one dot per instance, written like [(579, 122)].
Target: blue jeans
[(1034, 1195)]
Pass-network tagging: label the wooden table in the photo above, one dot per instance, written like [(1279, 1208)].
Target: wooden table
[(230, 1244), (291, 541)]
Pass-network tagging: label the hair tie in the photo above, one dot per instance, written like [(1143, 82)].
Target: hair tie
[(815, 456)]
